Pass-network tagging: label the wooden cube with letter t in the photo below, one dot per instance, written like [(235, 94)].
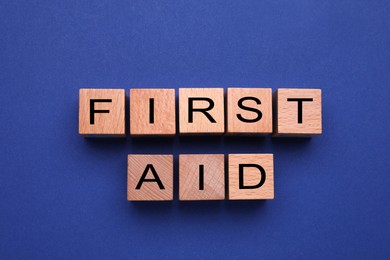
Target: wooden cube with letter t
[(152, 112), (149, 177), (201, 111), (102, 112), (298, 112), (249, 111), (250, 176), (201, 177)]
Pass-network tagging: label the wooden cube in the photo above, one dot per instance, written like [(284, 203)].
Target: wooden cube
[(152, 112), (201, 111), (149, 177), (102, 112), (250, 176), (249, 111), (298, 112), (201, 177)]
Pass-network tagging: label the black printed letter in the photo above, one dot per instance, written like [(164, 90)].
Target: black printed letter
[(92, 110), (201, 177), (156, 178), (300, 101), (241, 176), (151, 110), (258, 112), (191, 108)]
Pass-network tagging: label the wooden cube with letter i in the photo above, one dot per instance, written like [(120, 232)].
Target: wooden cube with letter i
[(201, 177), (152, 112)]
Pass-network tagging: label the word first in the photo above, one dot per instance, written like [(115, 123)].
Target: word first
[(287, 112)]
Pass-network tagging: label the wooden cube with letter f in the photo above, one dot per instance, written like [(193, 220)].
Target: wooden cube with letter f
[(102, 112)]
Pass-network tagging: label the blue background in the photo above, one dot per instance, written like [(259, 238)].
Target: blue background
[(64, 197)]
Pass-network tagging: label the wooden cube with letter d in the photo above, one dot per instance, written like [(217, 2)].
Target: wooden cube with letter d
[(250, 176)]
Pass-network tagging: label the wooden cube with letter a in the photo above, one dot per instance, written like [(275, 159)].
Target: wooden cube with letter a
[(201, 111), (250, 176), (201, 177), (152, 112), (102, 112), (149, 177), (249, 111), (298, 112)]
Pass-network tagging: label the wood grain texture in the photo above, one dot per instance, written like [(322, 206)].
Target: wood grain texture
[(286, 113), (252, 176), (236, 126), (149, 191), (213, 177), (201, 124), (110, 124), (164, 116)]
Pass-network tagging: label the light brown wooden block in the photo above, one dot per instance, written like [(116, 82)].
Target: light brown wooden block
[(249, 110), (149, 177), (102, 112), (201, 177), (208, 121), (250, 176), (152, 112), (288, 110)]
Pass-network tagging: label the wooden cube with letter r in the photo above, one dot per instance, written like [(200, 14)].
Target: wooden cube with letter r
[(201, 111)]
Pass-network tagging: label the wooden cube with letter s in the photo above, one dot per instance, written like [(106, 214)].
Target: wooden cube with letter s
[(249, 111)]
